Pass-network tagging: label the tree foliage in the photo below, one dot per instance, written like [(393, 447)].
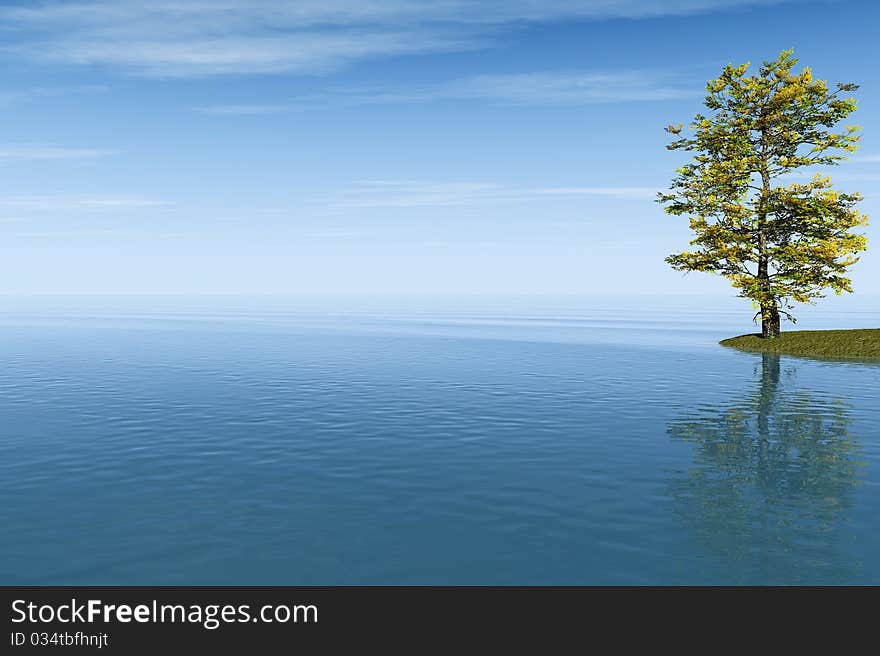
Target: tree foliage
[(776, 243)]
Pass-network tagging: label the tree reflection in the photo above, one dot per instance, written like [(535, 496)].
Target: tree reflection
[(771, 482)]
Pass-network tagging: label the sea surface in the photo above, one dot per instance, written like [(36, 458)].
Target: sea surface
[(208, 441)]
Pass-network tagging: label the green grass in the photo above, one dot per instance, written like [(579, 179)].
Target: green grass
[(830, 344)]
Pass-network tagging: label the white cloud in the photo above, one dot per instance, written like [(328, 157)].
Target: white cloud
[(303, 52), (855, 177), (10, 98), (616, 192), (55, 203), (64, 234), (39, 152), (836, 173), (243, 110), (867, 159), (412, 193), (334, 234), (537, 88), (91, 233), (530, 89), (178, 39)]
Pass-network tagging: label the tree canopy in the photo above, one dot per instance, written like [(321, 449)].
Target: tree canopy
[(776, 243)]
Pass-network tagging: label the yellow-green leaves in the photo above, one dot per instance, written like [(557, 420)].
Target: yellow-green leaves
[(775, 243)]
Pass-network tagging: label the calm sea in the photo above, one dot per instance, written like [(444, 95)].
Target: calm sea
[(285, 442)]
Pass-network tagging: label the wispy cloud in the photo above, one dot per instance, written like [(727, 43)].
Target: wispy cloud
[(867, 159), (92, 233), (10, 98), (539, 88), (856, 177), (836, 173), (536, 88), (334, 234), (179, 39), (55, 203), (412, 193), (243, 110), (41, 152), (63, 234)]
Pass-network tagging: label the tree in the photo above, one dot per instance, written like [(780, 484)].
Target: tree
[(775, 244)]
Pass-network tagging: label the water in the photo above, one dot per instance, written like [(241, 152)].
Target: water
[(185, 444)]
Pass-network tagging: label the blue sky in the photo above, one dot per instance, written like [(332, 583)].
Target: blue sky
[(390, 146)]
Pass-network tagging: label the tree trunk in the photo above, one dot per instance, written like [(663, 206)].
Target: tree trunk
[(770, 320), (769, 307)]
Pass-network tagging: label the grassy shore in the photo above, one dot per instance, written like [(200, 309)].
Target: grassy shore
[(831, 344)]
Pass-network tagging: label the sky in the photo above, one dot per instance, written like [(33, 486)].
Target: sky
[(383, 146)]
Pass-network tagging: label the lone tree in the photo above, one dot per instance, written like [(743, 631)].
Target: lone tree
[(776, 244)]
